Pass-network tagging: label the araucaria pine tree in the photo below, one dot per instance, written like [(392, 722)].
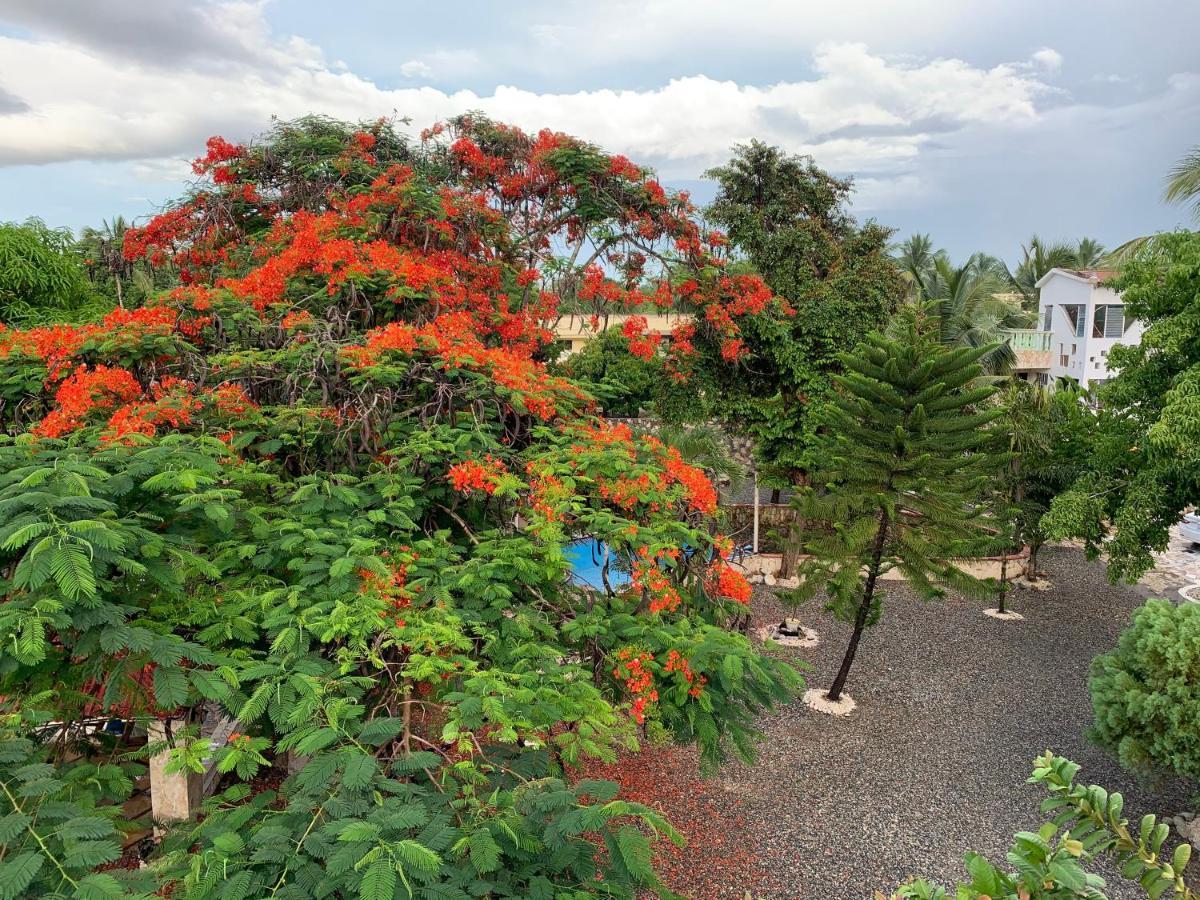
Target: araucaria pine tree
[(909, 451)]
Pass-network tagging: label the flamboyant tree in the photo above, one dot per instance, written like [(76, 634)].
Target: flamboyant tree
[(326, 485)]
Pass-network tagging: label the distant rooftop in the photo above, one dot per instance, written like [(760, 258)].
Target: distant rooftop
[(1094, 276)]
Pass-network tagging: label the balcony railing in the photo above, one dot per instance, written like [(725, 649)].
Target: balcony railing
[(1028, 339)]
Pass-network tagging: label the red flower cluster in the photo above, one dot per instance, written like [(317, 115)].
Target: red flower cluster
[(650, 577), (473, 475), (632, 668), (697, 487), (296, 320), (173, 405), (640, 344), (392, 587), (231, 400), (215, 162), (54, 345), (722, 580), (85, 390), (679, 664)]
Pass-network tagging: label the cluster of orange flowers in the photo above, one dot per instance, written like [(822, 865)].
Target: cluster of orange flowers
[(85, 390), (633, 669), (648, 575), (452, 339), (173, 404), (473, 475), (679, 664), (392, 587), (697, 487), (722, 580)]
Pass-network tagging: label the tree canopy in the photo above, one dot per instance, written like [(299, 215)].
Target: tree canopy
[(789, 220), (1144, 467), (42, 277), (326, 485)]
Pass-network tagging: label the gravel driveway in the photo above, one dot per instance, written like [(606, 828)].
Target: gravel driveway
[(952, 709)]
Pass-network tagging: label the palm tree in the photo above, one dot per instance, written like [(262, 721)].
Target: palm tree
[(1183, 186), (1037, 258), (972, 310), (915, 259), (1089, 253), (1183, 182), (104, 248)]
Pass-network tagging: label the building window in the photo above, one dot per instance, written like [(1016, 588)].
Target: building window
[(1076, 313), (1047, 318), (1063, 360), (1108, 321)]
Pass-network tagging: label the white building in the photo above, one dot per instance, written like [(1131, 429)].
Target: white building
[(1080, 322)]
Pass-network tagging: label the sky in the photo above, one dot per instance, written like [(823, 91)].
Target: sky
[(980, 122)]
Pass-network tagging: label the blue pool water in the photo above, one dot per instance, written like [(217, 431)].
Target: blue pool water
[(587, 557)]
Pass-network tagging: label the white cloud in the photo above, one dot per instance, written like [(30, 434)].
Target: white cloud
[(414, 68), (859, 111), (169, 170), (1048, 59)]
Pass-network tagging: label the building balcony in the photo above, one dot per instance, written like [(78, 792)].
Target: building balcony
[(1031, 346)]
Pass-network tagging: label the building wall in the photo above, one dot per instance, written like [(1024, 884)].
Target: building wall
[(577, 330), (1083, 358)]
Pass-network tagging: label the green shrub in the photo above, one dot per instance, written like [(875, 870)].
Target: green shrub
[(1146, 692)]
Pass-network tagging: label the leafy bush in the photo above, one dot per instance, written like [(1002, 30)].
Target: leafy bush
[(1146, 691), (1052, 863), (623, 383)]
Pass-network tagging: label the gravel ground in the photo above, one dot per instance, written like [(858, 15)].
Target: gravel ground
[(952, 709)]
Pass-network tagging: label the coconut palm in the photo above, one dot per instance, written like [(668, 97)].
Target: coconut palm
[(103, 248), (1089, 253), (1183, 186), (1037, 258), (1183, 182), (915, 257), (973, 310)]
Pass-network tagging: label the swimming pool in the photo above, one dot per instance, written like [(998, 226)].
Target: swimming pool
[(587, 558)]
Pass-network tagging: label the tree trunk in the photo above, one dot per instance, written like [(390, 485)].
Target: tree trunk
[(791, 549), (864, 610), (775, 495), (1003, 579), (1035, 545), (794, 537)]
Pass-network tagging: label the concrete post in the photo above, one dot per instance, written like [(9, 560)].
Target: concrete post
[(756, 513), (176, 797)]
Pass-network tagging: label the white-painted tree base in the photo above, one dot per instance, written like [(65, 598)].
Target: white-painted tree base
[(807, 637), (1009, 616), (1042, 584), (816, 699)]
